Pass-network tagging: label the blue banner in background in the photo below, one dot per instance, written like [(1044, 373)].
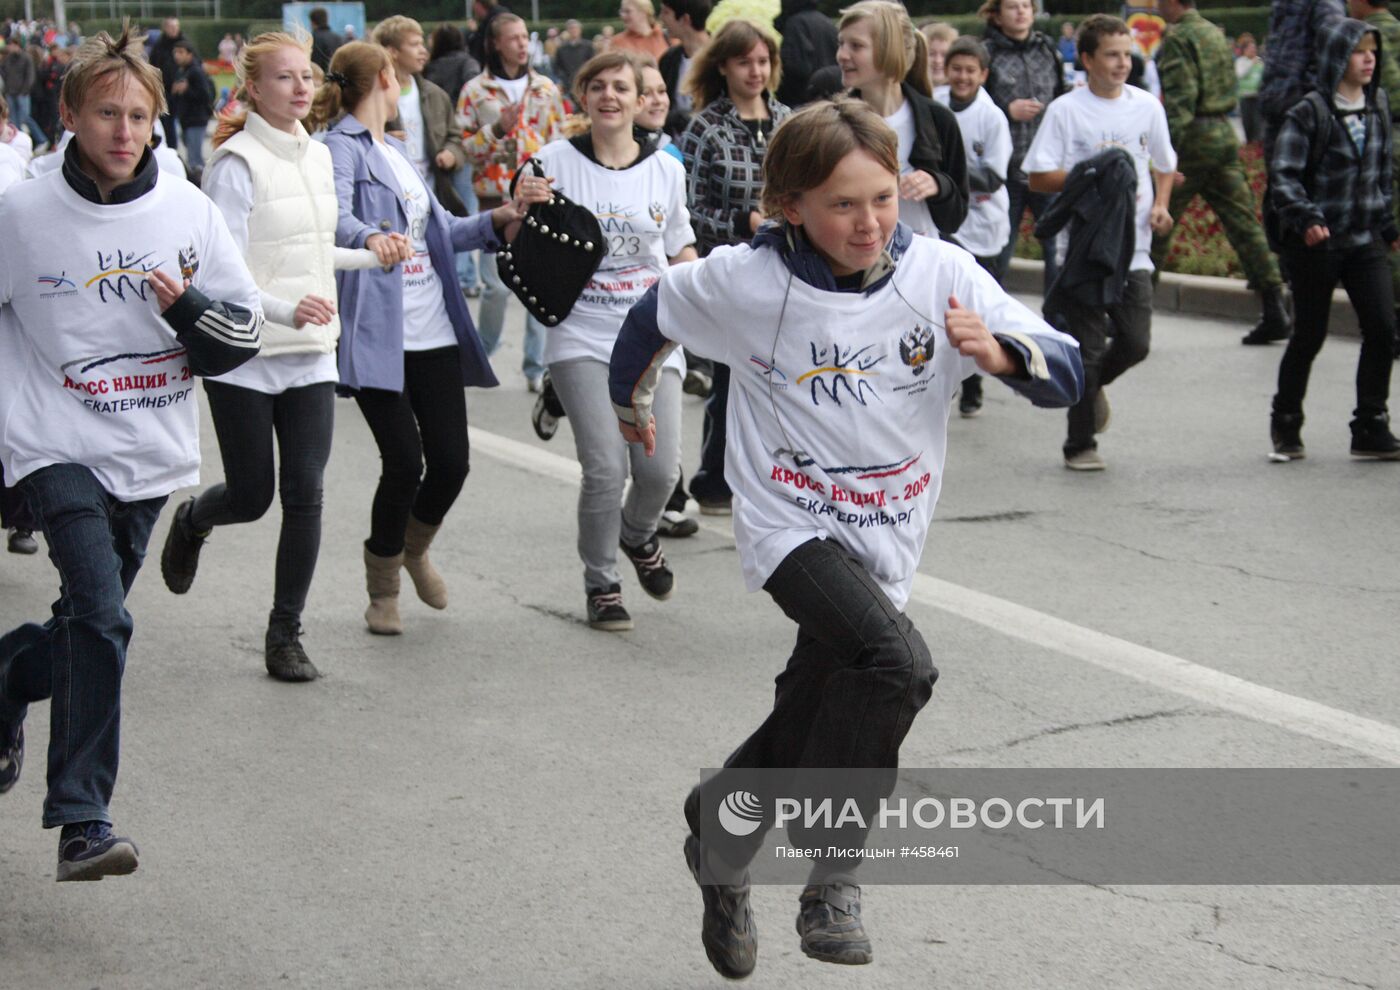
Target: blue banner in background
[(344, 18)]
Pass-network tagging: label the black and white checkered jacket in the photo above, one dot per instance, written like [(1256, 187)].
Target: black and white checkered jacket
[(724, 172)]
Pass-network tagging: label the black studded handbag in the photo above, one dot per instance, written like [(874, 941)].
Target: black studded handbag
[(551, 259)]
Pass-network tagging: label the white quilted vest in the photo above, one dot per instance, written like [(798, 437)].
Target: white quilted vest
[(291, 229)]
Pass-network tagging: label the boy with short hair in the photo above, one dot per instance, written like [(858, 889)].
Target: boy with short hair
[(847, 335), (110, 279), (987, 139), (1079, 125), (1332, 192)]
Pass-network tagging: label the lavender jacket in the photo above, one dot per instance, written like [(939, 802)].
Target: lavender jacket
[(371, 300)]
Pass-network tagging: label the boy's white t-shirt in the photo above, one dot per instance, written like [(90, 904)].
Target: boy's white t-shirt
[(411, 116), (913, 214), (645, 222), (90, 372), (987, 137), (837, 417), (426, 324), (1079, 125)]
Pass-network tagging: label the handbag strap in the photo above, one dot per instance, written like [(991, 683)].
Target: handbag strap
[(539, 173)]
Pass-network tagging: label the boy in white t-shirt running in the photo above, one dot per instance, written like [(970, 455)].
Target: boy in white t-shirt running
[(987, 141), (1107, 113), (848, 336), (118, 284)]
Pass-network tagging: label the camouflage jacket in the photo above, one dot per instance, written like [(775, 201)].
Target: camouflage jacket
[(1386, 23), (1198, 74)]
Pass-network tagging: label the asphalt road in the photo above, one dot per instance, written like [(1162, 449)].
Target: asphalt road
[(493, 799)]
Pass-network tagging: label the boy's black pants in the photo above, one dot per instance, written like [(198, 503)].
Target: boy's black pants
[(858, 675), (1313, 274)]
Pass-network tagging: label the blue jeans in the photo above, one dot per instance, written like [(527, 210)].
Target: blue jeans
[(466, 260), (491, 320), (21, 112), (97, 542), (1022, 197), (193, 136)]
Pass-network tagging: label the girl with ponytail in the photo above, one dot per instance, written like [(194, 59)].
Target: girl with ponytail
[(884, 61), (274, 187), (408, 345)]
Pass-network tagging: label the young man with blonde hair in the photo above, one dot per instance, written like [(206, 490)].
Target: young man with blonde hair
[(117, 286)]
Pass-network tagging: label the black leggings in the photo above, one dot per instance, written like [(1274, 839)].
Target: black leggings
[(245, 421), (426, 423)]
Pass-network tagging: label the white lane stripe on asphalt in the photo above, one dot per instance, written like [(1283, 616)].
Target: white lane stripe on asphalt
[(1162, 670)]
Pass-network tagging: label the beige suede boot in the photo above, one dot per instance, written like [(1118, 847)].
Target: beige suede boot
[(431, 588), (382, 581)]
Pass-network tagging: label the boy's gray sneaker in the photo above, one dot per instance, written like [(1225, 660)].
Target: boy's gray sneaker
[(727, 928), (89, 851), (828, 921), (1085, 460)]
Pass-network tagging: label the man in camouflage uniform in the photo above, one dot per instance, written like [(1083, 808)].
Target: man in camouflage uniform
[(1197, 70), (1377, 13)]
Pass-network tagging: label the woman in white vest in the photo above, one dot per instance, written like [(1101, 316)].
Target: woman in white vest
[(275, 188)]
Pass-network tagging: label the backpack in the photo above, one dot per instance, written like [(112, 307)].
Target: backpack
[(1323, 122)]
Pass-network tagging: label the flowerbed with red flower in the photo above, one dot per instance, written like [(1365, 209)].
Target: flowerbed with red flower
[(1199, 246)]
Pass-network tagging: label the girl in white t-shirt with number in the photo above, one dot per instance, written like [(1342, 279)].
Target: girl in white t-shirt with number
[(639, 199)]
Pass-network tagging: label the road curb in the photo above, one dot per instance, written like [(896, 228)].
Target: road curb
[(1195, 295)]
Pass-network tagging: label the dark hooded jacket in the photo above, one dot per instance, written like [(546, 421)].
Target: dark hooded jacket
[(1099, 203), (809, 44), (1022, 70), (1343, 187), (1291, 68)]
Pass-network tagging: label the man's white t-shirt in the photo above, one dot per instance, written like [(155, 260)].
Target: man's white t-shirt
[(987, 137), (426, 324), (645, 222), (415, 137), (1079, 125), (913, 214)]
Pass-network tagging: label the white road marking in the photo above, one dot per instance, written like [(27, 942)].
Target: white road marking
[(1370, 737)]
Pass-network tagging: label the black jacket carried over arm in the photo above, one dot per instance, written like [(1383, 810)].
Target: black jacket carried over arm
[(1099, 203), (809, 44)]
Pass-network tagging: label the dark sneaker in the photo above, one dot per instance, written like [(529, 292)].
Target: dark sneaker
[(180, 558), (1266, 332), (22, 541), (548, 410), (653, 574), (970, 401), (727, 929), (828, 920), (1371, 439), (605, 609), (11, 755), (284, 656), (716, 506), (1286, 432), (676, 525), (89, 851)]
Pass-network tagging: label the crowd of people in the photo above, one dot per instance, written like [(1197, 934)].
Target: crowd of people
[(809, 232)]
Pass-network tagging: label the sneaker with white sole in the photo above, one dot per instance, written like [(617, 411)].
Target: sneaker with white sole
[(676, 525), (89, 851), (1085, 460)]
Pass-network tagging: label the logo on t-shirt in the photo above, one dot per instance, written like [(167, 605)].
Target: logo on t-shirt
[(916, 348), (658, 213), (838, 371), (121, 275), (189, 263), (59, 285)]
